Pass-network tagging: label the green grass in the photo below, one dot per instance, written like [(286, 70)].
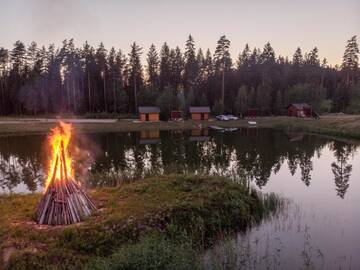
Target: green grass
[(178, 210)]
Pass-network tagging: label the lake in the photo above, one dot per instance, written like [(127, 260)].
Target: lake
[(318, 229)]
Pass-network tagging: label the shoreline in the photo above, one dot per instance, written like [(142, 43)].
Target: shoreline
[(335, 125)]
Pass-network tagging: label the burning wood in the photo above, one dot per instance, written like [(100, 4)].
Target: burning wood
[(64, 201)]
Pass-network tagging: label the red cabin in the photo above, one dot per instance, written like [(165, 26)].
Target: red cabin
[(300, 110), (251, 113), (176, 115)]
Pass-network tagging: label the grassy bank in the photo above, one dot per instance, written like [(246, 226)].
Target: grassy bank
[(164, 220), (333, 125)]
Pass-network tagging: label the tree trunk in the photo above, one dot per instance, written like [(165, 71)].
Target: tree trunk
[(135, 94), (74, 95), (89, 91), (114, 90), (105, 99), (68, 95), (223, 88), (2, 97)]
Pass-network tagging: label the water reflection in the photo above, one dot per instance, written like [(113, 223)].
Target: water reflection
[(250, 155)]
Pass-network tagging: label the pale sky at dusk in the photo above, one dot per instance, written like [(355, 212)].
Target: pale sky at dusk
[(286, 24)]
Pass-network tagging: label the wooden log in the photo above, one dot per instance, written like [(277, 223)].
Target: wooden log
[(64, 202)]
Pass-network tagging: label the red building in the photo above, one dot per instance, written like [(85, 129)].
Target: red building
[(251, 113), (300, 110), (176, 115)]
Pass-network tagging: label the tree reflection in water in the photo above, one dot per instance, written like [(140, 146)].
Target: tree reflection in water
[(341, 168), (248, 155)]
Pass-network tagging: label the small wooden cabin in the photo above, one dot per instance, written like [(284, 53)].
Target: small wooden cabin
[(300, 110), (149, 113), (199, 113)]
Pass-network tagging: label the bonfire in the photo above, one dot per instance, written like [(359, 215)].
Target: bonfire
[(64, 201)]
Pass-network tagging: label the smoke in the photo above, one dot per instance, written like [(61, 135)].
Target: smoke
[(83, 152)]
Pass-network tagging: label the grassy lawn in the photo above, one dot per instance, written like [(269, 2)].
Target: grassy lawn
[(182, 214)]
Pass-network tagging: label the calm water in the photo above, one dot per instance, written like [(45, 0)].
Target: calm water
[(318, 229)]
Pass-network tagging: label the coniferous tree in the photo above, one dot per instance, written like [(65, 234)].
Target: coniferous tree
[(153, 67), (298, 58), (165, 65), (176, 68), (135, 71), (191, 67), (4, 59), (223, 62), (350, 63), (102, 65)]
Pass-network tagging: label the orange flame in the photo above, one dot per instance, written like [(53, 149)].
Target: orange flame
[(60, 161)]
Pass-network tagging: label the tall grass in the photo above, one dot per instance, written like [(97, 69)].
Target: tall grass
[(152, 252)]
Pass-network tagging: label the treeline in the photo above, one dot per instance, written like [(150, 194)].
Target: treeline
[(87, 80)]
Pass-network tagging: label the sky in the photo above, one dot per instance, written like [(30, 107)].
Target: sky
[(286, 24)]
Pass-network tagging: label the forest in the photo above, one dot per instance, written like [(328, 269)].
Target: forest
[(87, 80)]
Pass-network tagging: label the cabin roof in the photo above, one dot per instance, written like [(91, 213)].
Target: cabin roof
[(199, 109), (149, 109), (299, 106)]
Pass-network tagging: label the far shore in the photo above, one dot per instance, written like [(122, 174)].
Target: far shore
[(332, 124)]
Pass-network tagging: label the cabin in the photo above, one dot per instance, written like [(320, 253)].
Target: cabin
[(251, 113), (149, 113), (176, 115), (301, 110), (199, 113)]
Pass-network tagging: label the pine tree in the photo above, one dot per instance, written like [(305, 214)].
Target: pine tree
[(298, 58), (244, 58), (101, 60), (191, 67), (89, 63), (17, 76), (350, 64), (153, 67), (4, 59), (312, 58), (208, 64), (200, 59), (165, 65), (222, 62), (268, 55), (135, 71), (176, 68)]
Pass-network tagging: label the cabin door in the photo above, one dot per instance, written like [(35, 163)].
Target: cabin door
[(147, 117), (202, 116)]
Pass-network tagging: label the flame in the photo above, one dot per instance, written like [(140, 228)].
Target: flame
[(59, 139)]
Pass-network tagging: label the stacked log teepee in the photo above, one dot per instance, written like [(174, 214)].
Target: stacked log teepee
[(64, 201)]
